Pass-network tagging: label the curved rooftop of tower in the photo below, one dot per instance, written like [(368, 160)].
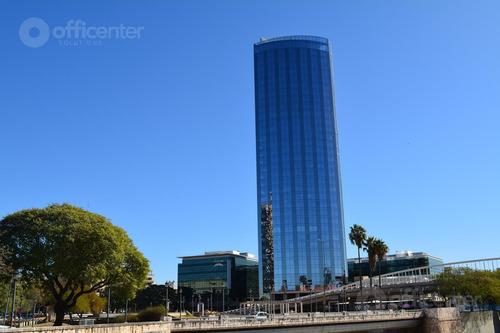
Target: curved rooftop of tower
[(264, 40)]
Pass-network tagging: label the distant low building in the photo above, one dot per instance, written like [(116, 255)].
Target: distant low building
[(209, 275), (150, 279), (392, 263)]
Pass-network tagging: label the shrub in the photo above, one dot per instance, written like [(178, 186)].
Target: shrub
[(151, 314), (131, 318)]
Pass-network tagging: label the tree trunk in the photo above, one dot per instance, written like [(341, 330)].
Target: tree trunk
[(379, 273), (360, 271), (59, 310)]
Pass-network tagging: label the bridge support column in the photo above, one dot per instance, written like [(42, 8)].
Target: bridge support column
[(301, 307), (352, 304), (415, 304)]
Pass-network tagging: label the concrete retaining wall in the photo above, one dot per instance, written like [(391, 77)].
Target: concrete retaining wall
[(433, 321), (442, 320), (308, 323), (480, 322), (150, 327)]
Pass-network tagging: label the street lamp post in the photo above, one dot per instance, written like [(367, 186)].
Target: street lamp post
[(7, 304), (309, 283), (285, 298), (250, 299), (324, 275), (211, 303), (126, 309), (34, 312), (109, 304), (223, 296), (180, 303), (20, 312), (343, 286), (13, 300), (200, 307), (401, 297)]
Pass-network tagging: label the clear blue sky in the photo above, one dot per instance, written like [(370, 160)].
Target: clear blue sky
[(157, 133)]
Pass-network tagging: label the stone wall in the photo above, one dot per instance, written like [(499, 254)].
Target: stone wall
[(299, 320), (442, 320), (480, 322), (151, 327)]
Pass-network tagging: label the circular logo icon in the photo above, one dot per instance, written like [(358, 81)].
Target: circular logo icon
[(34, 32)]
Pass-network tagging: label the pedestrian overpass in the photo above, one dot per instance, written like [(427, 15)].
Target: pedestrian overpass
[(400, 287)]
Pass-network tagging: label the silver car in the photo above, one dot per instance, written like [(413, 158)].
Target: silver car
[(258, 315)]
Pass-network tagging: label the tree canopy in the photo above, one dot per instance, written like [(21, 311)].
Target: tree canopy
[(479, 285), (71, 252), (357, 236)]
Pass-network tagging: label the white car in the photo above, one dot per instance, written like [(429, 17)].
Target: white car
[(258, 315)]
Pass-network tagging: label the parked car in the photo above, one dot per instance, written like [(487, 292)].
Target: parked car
[(258, 315)]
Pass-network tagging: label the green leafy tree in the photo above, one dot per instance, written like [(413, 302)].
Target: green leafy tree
[(94, 303), (481, 285), (357, 236), (155, 295), (88, 302), (303, 280), (71, 252), (381, 250)]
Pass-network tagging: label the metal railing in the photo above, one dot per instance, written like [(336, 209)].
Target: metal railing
[(419, 275)]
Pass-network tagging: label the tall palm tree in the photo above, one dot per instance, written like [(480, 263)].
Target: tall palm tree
[(381, 249), (372, 255), (357, 236)]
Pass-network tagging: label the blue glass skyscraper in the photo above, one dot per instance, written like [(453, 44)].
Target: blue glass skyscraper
[(301, 222)]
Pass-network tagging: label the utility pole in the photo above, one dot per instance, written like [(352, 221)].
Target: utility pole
[(324, 275)]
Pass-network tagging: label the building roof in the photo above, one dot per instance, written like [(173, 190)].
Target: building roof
[(400, 255), (214, 254), (295, 37)]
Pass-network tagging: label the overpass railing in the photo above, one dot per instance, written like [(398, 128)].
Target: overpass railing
[(419, 275)]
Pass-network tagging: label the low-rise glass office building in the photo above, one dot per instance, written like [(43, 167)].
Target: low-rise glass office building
[(233, 274), (392, 263)]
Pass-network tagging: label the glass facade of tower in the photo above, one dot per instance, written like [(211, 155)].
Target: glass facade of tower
[(298, 168)]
